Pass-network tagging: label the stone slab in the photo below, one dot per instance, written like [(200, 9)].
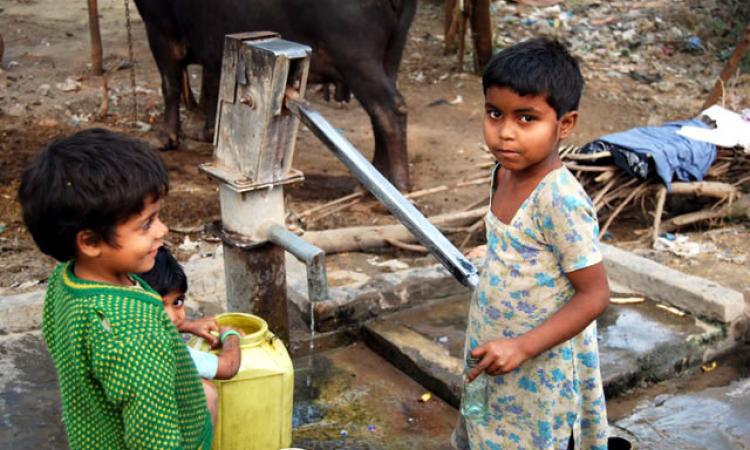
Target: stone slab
[(716, 418), (699, 296), (357, 302), (637, 342), (21, 312), (30, 417)]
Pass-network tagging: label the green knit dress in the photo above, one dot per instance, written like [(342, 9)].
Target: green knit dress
[(126, 378)]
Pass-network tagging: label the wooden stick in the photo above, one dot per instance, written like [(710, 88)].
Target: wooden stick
[(404, 246), (661, 197), (368, 237), (604, 190), (617, 193), (568, 150), (620, 207), (706, 189), (718, 170), (434, 190), (438, 189), (605, 176), (573, 166), (740, 208), (338, 201), (463, 20), (729, 69), (691, 218), (104, 106), (452, 11), (328, 212), (446, 229), (96, 38), (588, 156), (481, 32)]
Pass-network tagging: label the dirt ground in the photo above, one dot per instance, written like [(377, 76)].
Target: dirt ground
[(47, 90)]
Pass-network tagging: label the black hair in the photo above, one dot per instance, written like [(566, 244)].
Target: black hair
[(538, 66), (91, 180), (167, 275)]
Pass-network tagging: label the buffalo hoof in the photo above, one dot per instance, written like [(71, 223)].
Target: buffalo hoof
[(402, 186), (400, 181), (168, 141)]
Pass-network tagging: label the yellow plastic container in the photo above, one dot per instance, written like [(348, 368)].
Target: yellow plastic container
[(255, 407)]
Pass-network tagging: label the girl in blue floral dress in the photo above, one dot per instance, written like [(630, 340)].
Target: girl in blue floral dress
[(532, 318)]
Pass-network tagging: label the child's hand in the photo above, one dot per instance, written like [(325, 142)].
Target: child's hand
[(202, 328), (498, 357)]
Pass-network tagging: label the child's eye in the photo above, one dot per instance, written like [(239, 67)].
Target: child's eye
[(493, 113), (178, 302), (148, 223), (527, 118)]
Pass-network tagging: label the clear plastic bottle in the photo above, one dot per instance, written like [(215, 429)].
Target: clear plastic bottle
[(474, 399)]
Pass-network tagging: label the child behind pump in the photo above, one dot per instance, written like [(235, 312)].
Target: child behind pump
[(92, 201), (532, 318), (168, 279)]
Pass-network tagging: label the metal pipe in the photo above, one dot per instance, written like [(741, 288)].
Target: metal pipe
[(312, 256), (448, 255)]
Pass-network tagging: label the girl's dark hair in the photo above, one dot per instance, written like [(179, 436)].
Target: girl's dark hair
[(167, 275), (92, 180), (538, 66)]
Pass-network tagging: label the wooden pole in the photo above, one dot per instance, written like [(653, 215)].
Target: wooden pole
[(96, 38), (661, 198), (729, 69), (450, 26), (481, 33), (365, 238)]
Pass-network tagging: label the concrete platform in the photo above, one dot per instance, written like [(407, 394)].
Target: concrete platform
[(639, 342)]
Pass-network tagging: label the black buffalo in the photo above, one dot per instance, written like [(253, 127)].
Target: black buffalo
[(357, 46)]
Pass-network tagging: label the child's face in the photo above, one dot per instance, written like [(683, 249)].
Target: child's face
[(174, 306), (523, 132), (137, 241)]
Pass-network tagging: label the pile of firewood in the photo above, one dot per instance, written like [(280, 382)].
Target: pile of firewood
[(614, 191)]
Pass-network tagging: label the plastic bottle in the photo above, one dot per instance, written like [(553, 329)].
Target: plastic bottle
[(474, 399)]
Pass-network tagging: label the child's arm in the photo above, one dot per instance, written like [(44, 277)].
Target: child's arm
[(591, 298), (230, 356), (201, 328)]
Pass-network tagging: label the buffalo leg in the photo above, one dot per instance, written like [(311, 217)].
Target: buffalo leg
[(187, 94), (209, 99), (387, 110), (170, 69), (395, 47)]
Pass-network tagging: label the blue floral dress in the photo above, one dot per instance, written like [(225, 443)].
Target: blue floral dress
[(523, 283)]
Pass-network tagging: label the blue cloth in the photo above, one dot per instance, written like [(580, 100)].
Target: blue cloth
[(206, 363), (674, 156)]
